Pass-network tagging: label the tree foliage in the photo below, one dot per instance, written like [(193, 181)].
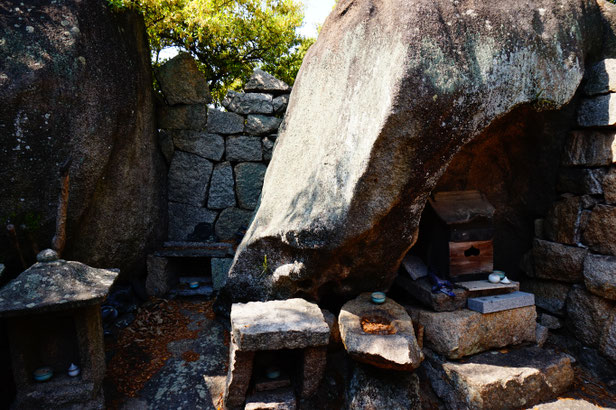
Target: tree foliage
[(228, 37)]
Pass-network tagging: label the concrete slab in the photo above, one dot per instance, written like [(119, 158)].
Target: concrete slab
[(498, 303)]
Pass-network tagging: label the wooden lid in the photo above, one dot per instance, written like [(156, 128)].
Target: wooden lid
[(457, 207)]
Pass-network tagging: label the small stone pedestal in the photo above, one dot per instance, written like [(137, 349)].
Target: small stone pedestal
[(54, 319), (276, 325)]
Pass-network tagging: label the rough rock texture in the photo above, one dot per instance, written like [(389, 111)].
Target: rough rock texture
[(601, 78), (492, 380), (248, 103), (600, 233), (590, 148), (421, 289), (609, 186), (209, 146), (231, 222), (181, 81), (159, 281), (559, 262), (182, 117), (272, 400), (581, 181), (549, 295), (76, 82), (561, 223), (190, 223), (219, 122), (439, 73), (587, 315), (600, 275), (464, 332), (260, 81), (608, 340), (261, 124), (220, 268), (278, 324), (371, 388), (222, 192), (398, 351), (599, 111), (550, 322), (248, 183), (189, 176), (244, 148)]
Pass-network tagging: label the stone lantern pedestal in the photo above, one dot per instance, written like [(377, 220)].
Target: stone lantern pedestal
[(53, 320)]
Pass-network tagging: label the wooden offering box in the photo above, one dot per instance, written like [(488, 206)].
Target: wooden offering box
[(462, 233)]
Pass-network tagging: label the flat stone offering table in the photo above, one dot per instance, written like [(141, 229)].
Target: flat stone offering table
[(273, 326), (53, 319), (380, 335)]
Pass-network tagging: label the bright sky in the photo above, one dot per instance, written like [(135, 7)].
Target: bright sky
[(315, 13)]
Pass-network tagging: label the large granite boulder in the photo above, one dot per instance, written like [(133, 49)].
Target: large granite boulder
[(75, 82), (384, 99)]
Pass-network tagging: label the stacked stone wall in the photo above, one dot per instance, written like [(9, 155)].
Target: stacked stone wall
[(573, 260)]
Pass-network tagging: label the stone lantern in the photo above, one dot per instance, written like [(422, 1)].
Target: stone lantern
[(53, 317)]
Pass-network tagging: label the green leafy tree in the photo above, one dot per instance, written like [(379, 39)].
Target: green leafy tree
[(228, 37)]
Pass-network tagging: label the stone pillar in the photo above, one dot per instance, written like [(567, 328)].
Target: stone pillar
[(315, 359), (238, 376)]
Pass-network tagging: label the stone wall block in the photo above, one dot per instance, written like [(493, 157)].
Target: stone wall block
[(581, 181), (188, 178), (248, 103), (609, 186), (549, 295), (590, 148), (220, 122), (220, 269), (280, 103), (268, 147), (588, 315), (600, 232), (222, 192), (562, 222), (248, 183), (262, 124), (599, 111), (600, 275), (181, 81), (608, 340), (557, 261), (182, 117), (244, 148), (209, 146), (190, 223), (260, 81), (231, 223), (601, 78)]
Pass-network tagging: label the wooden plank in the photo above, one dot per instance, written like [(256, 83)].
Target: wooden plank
[(457, 207), (470, 257)]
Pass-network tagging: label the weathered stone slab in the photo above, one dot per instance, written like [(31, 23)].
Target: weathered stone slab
[(220, 122), (609, 186), (600, 275), (262, 124), (220, 268), (281, 399), (222, 192), (590, 148), (244, 148), (559, 262), (160, 279), (182, 117), (248, 183), (280, 103), (549, 295), (261, 81), (599, 111), (397, 351), (497, 303), (464, 332), (587, 315), (600, 232), (188, 222), (231, 222), (478, 288), (279, 324), (373, 388), (581, 181), (209, 146), (238, 376), (54, 284), (519, 378), (188, 178), (248, 103), (601, 78), (415, 267), (421, 289), (181, 81), (562, 222)]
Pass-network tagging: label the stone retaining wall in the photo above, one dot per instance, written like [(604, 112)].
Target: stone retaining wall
[(573, 260)]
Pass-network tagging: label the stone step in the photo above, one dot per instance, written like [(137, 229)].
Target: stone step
[(465, 332), (414, 267), (421, 290), (479, 288), (280, 399), (518, 378), (196, 249), (498, 303)]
